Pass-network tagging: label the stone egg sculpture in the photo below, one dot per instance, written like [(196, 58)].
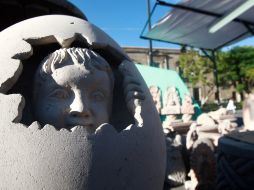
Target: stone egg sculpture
[(128, 152)]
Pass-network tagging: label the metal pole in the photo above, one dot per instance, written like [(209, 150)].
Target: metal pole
[(150, 41)]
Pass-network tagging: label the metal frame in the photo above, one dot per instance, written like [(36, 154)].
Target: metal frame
[(249, 26), (150, 41)]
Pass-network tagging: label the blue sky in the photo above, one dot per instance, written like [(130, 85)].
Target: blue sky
[(124, 20)]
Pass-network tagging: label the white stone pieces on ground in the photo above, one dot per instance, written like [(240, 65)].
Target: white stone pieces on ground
[(216, 115), (205, 120)]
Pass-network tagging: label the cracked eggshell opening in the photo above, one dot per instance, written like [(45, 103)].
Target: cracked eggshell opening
[(35, 158)]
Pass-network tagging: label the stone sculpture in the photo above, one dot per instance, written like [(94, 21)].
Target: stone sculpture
[(217, 120), (202, 140), (176, 170), (74, 87), (201, 146), (187, 108), (172, 106), (202, 165), (205, 120), (38, 155), (218, 114), (156, 95), (248, 113)]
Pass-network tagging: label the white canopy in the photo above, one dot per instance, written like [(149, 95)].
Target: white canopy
[(188, 23)]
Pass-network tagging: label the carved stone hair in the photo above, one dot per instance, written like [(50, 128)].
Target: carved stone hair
[(79, 56), (72, 56)]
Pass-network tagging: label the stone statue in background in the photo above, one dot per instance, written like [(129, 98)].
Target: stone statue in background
[(156, 95), (171, 97), (172, 106), (187, 108)]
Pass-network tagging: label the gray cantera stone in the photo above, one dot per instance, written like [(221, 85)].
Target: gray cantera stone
[(35, 158)]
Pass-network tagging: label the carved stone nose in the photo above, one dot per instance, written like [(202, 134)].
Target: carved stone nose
[(79, 108)]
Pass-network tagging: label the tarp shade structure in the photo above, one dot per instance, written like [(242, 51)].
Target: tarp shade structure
[(189, 21)]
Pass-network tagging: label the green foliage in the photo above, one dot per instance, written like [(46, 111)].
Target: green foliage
[(195, 68), (236, 67)]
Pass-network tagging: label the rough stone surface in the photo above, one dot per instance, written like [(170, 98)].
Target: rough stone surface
[(216, 115), (187, 105), (172, 105), (35, 158), (16, 42), (205, 120), (156, 95), (11, 106), (203, 165), (176, 171), (187, 108)]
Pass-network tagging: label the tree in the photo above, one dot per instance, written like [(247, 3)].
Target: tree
[(197, 70), (236, 67)]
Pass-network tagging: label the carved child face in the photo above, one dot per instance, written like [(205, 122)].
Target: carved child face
[(74, 96)]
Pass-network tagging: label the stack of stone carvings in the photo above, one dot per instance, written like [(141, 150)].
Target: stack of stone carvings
[(176, 164), (219, 153), (172, 108), (201, 143), (194, 155), (212, 125)]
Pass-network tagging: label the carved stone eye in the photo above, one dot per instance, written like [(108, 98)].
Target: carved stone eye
[(97, 96), (59, 94)]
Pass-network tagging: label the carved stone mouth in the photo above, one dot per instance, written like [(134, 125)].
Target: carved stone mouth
[(79, 122), (89, 127)]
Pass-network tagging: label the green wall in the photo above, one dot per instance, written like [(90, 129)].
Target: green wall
[(164, 78)]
